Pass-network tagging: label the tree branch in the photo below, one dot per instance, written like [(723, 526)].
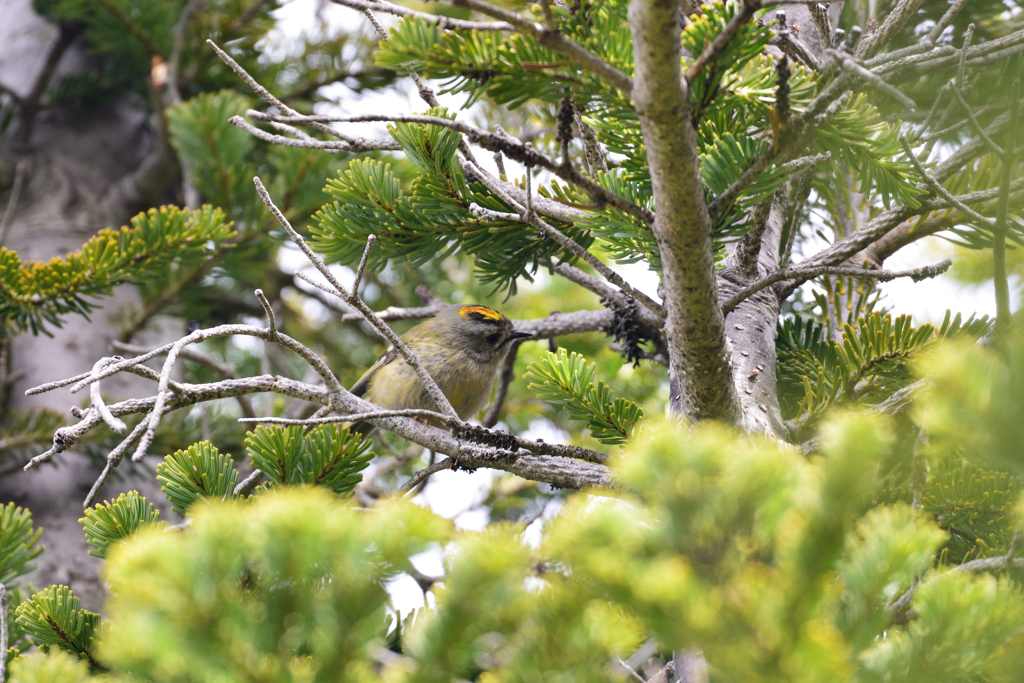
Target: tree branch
[(353, 145), (528, 215), (435, 19), (899, 16), (554, 40), (802, 274), (699, 363), (510, 147)]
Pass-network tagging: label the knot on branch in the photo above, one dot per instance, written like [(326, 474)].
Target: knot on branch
[(625, 328), (456, 466), (64, 438), (477, 434)]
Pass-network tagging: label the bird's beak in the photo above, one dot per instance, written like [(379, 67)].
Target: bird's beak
[(519, 335)]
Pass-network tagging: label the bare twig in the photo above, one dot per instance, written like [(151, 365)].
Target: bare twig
[(249, 484), (438, 20), (799, 274), (349, 144), (945, 21), (265, 94), (899, 16), (961, 73), (114, 424), (629, 671), (505, 376), (793, 46), (852, 67), (334, 419), (226, 370), (425, 474), (113, 460), (822, 22), (362, 262), (269, 310)]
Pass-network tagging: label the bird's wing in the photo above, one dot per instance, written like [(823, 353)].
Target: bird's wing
[(359, 388)]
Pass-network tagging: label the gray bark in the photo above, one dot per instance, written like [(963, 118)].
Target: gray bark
[(751, 328), (83, 171), (700, 372)]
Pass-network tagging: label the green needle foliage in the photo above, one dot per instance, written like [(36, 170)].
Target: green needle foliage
[(291, 590), (200, 471), (430, 220), (52, 617), (567, 380), (327, 455), (34, 295), (17, 542), (109, 524), (870, 364), (782, 567), (975, 506), (56, 667)]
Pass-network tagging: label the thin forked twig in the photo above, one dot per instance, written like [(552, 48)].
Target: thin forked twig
[(798, 275), (115, 425), (266, 94)]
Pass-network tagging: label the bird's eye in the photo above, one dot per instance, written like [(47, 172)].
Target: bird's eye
[(493, 339)]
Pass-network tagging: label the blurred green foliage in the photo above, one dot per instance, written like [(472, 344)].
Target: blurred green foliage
[(779, 566)]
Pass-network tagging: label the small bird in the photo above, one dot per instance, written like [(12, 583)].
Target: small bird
[(461, 348)]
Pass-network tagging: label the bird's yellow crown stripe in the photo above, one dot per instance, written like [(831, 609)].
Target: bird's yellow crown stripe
[(486, 312)]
